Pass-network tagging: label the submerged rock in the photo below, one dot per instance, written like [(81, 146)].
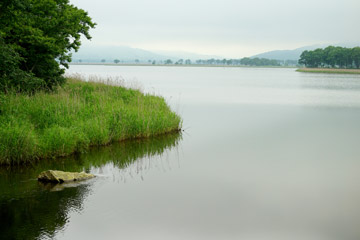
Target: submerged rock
[(60, 176)]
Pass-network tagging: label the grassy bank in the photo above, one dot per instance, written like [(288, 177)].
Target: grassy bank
[(329, 70), (76, 116)]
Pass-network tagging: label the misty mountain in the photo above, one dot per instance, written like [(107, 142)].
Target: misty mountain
[(129, 54), (109, 53), (187, 55), (295, 53)]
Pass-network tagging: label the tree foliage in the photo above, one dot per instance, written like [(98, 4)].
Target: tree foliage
[(331, 57), (11, 75), (243, 61), (36, 39)]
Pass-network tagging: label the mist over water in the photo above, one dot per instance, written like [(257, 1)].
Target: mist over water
[(266, 154)]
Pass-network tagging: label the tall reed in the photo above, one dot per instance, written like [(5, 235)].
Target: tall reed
[(78, 115)]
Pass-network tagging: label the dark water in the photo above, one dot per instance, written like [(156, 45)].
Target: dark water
[(266, 154), (30, 209)]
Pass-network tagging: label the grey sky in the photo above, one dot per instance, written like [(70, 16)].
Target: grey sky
[(230, 28)]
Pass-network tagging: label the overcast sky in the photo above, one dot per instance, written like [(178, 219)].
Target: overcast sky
[(229, 28)]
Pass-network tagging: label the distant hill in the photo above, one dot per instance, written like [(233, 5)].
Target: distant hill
[(295, 53), (187, 55), (110, 53), (129, 54), (94, 54)]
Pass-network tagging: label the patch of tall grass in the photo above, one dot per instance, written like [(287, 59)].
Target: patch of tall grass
[(78, 115), (329, 70)]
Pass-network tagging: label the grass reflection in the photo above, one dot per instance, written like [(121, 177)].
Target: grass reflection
[(29, 210)]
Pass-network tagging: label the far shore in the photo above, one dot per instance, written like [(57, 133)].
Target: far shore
[(329, 70), (179, 65)]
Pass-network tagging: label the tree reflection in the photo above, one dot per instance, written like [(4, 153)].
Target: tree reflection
[(30, 210)]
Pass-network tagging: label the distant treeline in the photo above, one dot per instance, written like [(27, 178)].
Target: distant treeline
[(244, 61), (334, 57), (220, 62)]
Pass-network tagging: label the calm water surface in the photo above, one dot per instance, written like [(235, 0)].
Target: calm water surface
[(266, 154)]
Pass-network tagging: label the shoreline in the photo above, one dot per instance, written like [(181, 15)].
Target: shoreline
[(329, 70), (175, 65)]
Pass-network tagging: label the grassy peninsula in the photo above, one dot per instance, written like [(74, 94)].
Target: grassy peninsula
[(76, 116), (329, 70)]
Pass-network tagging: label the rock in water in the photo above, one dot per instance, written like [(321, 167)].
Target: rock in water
[(60, 176)]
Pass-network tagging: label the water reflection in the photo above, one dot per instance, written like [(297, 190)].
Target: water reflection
[(30, 210), (39, 215), (271, 154)]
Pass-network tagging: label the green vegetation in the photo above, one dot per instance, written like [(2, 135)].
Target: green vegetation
[(231, 62), (237, 62), (36, 37), (40, 115), (331, 57), (329, 70), (253, 62), (76, 116)]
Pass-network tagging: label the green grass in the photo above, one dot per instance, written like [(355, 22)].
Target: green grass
[(329, 70), (77, 116)]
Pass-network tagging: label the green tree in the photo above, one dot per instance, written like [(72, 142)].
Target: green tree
[(317, 57), (348, 60), (245, 61), (355, 55), (42, 34), (116, 61), (340, 58), (306, 58), (329, 56), (229, 62), (332, 57), (180, 61), (11, 76)]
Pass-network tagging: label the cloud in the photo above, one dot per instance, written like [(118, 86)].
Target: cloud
[(228, 27)]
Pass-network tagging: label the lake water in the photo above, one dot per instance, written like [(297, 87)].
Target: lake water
[(267, 153)]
